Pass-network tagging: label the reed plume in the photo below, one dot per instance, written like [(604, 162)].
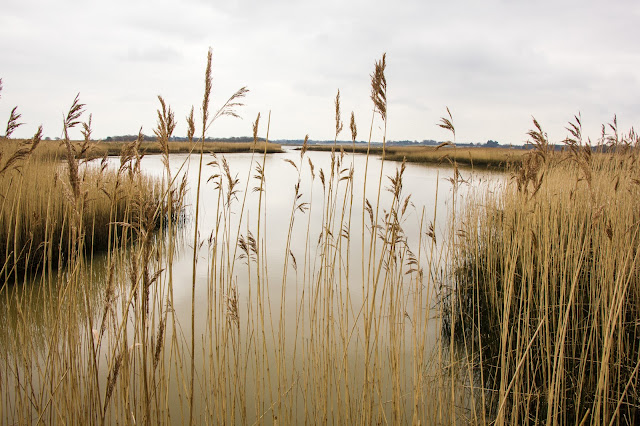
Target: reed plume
[(70, 121), (379, 87), (191, 126), (447, 124), (13, 123), (353, 128), (338, 119), (24, 150)]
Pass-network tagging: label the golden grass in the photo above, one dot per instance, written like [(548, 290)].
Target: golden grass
[(493, 158), (547, 289), (125, 357), (55, 149), (37, 200)]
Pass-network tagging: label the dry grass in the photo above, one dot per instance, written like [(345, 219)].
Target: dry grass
[(492, 158), (115, 351), (52, 150), (36, 202), (547, 287)]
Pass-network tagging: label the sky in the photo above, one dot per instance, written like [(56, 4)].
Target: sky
[(494, 64)]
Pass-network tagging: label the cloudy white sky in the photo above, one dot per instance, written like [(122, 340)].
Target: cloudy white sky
[(495, 64)]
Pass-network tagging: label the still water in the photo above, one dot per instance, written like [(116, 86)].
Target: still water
[(315, 319)]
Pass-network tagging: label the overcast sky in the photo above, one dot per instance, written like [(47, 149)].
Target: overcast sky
[(495, 64)]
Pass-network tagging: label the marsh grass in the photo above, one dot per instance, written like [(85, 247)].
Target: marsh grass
[(123, 354), (546, 286), (482, 158), (38, 199), (55, 150)]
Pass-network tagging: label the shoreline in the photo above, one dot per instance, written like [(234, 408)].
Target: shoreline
[(99, 149), (486, 158)]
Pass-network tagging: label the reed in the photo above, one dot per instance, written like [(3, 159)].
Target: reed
[(545, 293), (481, 158), (38, 197), (54, 150)]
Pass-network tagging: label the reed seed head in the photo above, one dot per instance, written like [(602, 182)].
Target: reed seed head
[(255, 129), (447, 124), (191, 126), (158, 348), (352, 126), (13, 124), (305, 146), (379, 87), (70, 121), (207, 90), (338, 119)]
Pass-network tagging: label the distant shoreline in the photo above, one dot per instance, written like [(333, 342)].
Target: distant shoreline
[(494, 158), (98, 149)]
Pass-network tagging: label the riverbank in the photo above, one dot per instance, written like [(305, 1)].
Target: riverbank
[(489, 158), (57, 150)]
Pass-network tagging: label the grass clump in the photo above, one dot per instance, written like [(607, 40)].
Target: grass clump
[(54, 205), (37, 201), (546, 298)]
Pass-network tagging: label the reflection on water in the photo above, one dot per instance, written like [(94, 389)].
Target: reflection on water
[(297, 311)]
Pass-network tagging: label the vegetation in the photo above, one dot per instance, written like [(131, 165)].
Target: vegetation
[(447, 154), (114, 148), (531, 292), (546, 298), (55, 150), (233, 139), (40, 197)]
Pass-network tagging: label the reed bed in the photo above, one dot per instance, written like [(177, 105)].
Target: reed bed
[(445, 154), (546, 299), (37, 202), (55, 150)]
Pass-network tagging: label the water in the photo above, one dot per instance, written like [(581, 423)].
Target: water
[(283, 332)]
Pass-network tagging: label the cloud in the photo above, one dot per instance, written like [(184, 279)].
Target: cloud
[(495, 63), (156, 54)]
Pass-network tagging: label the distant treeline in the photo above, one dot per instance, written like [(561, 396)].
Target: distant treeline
[(426, 142), (244, 139), (391, 143)]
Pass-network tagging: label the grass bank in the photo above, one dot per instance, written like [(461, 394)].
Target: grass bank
[(49, 209), (52, 150), (488, 158)]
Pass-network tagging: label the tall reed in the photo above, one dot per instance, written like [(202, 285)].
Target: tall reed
[(546, 285)]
